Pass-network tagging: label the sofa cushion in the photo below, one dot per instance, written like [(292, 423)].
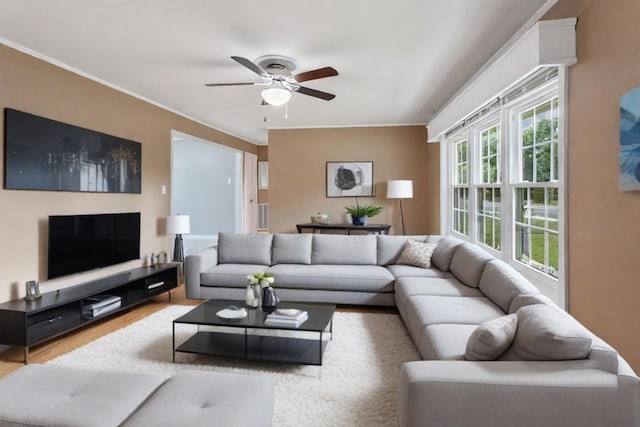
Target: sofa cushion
[(417, 254), (501, 283), (423, 310), (444, 341), (390, 247), (468, 263), (451, 287), (492, 338), (234, 248), (523, 300), (48, 395), (367, 278), (291, 248), (603, 355), (443, 254), (197, 398), (230, 275), (344, 250), (399, 270), (548, 333)]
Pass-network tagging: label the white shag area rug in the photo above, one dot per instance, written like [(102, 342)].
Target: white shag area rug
[(355, 386)]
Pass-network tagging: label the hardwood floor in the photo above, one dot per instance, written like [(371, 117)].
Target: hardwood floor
[(13, 358)]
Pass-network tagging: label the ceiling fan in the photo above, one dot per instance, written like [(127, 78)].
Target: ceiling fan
[(276, 74)]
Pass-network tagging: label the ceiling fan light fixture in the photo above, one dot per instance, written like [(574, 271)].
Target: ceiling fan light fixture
[(276, 96)]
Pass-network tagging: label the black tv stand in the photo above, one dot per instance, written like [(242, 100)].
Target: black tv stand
[(27, 323)]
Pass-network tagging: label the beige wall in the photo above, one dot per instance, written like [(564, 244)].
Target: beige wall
[(603, 223), (297, 174), (36, 87)]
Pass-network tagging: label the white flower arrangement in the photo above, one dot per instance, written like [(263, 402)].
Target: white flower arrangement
[(264, 279)]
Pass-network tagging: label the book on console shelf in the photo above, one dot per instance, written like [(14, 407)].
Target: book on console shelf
[(287, 317), (99, 305)]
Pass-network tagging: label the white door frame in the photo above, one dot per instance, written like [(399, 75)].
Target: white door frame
[(250, 205)]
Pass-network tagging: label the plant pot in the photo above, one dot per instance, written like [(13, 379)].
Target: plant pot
[(359, 220)]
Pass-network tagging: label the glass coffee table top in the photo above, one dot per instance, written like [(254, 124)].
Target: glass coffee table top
[(239, 337)]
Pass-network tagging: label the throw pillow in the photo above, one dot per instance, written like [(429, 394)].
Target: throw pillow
[(417, 254), (548, 333), (492, 338)]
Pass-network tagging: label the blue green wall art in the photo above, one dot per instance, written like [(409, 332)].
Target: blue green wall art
[(630, 140)]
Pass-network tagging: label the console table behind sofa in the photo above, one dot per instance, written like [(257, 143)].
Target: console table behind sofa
[(347, 228)]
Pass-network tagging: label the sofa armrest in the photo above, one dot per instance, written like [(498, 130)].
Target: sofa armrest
[(195, 264), (465, 393)]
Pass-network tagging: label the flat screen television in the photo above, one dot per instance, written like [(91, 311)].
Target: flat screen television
[(80, 243)]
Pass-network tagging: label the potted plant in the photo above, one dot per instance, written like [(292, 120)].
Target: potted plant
[(360, 213)]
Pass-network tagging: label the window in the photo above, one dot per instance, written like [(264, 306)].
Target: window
[(536, 187), (504, 183), (461, 188), (488, 192)]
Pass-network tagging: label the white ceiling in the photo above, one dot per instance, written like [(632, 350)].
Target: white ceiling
[(399, 61)]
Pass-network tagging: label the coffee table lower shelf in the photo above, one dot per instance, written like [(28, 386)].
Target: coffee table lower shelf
[(255, 347)]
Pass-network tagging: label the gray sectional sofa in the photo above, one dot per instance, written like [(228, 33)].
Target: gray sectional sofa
[(495, 351), (307, 267)]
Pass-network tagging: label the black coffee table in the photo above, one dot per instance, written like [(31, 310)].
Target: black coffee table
[(293, 347)]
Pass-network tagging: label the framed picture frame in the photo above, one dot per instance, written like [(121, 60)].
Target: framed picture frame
[(48, 155), (32, 288), (263, 175), (350, 179), (629, 140)]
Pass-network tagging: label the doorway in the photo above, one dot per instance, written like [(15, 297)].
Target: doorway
[(206, 183)]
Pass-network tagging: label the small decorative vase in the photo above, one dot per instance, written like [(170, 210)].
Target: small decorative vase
[(359, 220), (253, 296), (269, 298), (320, 218)]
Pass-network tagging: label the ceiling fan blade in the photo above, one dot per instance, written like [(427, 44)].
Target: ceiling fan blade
[(313, 92), (253, 67), (230, 84), (320, 73)]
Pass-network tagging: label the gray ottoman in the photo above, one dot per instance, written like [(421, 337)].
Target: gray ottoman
[(56, 396), (193, 398), (47, 395)]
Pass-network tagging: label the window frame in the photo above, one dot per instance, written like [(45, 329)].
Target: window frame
[(491, 120), (455, 185), (510, 151), (512, 110)]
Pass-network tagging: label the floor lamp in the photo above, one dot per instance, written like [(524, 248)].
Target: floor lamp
[(178, 225), (400, 189)]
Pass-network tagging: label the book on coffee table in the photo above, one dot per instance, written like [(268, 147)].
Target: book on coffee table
[(287, 317)]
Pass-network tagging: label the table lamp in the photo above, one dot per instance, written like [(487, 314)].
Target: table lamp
[(178, 225), (400, 189)]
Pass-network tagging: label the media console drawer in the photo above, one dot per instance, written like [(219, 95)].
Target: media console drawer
[(55, 323), (160, 282)]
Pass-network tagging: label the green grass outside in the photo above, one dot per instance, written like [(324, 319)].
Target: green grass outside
[(537, 242)]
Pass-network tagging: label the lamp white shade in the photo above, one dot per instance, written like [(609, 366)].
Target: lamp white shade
[(178, 224), (399, 189), (276, 96)]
